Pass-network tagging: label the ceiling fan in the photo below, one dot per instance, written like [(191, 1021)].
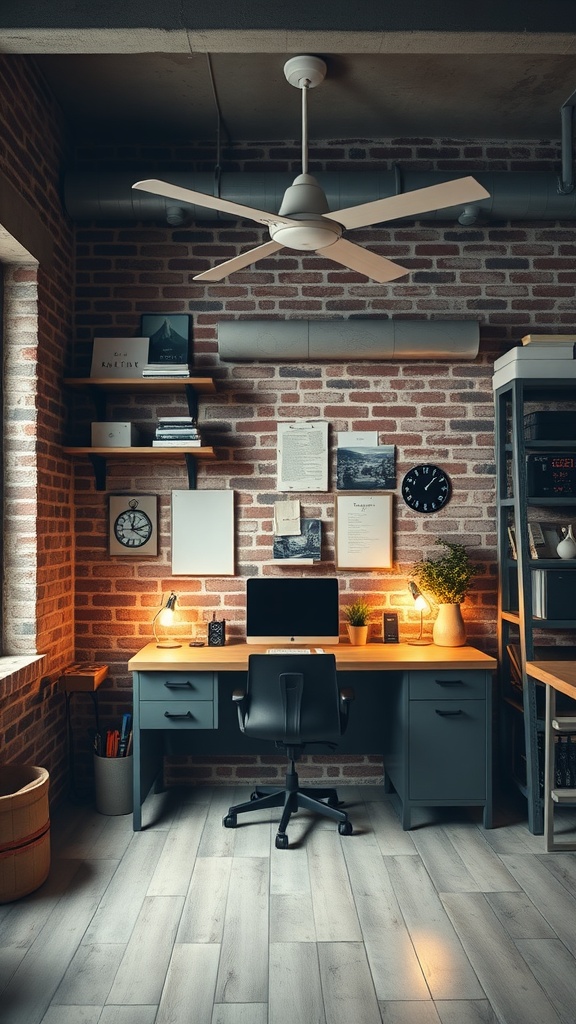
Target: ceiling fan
[(305, 222)]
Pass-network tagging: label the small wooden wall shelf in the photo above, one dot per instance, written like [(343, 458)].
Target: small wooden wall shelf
[(100, 388)]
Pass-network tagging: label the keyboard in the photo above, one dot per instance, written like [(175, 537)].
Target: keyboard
[(294, 650)]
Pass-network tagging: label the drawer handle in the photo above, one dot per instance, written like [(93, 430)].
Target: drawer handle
[(449, 682), (449, 714), (187, 714), (179, 686)]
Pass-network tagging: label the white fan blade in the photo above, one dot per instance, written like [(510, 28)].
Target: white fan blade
[(409, 204), (239, 262), (378, 268), (187, 195)]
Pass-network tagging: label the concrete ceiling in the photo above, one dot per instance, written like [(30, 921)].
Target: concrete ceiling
[(500, 71)]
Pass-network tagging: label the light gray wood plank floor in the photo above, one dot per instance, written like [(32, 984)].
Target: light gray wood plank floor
[(190, 923)]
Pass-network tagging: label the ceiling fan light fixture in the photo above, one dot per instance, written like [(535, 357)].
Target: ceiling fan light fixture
[(308, 235)]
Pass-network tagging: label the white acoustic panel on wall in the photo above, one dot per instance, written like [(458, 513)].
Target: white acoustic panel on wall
[(203, 533)]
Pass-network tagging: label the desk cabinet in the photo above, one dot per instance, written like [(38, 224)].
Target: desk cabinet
[(438, 749), (166, 702)]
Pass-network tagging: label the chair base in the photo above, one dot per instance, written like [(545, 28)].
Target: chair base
[(291, 799)]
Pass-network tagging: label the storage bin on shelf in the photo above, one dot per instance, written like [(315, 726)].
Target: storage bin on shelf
[(24, 830)]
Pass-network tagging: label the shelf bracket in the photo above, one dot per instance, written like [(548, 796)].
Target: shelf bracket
[(191, 467), (192, 399), (99, 467)]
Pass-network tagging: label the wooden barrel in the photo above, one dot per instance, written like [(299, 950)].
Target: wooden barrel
[(24, 830)]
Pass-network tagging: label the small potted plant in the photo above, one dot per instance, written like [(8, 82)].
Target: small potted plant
[(357, 615), (447, 580)]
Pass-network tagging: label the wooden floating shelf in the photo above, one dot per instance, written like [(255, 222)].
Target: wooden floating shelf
[(202, 385), (143, 452), (100, 457)]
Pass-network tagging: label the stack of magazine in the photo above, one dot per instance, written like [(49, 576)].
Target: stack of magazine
[(166, 370), (177, 431)]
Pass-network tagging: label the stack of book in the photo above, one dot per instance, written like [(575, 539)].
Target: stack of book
[(166, 370), (174, 431)]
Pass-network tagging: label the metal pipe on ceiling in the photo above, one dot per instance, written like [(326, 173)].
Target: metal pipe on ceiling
[(93, 196)]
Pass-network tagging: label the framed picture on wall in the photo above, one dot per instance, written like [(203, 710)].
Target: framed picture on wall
[(133, 525), (169, 335), (363, 531)]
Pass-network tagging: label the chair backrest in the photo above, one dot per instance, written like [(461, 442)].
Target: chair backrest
[(293, 698)]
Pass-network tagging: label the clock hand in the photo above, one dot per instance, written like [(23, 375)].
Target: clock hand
[(430, 482)]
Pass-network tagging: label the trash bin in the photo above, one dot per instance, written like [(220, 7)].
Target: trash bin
[(24, 830), (113, 784)]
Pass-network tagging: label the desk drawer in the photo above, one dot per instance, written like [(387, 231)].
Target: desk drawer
[(176, 714), (450, 685), (177, 686)]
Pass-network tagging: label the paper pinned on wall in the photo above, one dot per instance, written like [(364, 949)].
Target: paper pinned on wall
[(203, 533), (287, 518), (302, 454), (357, 438)]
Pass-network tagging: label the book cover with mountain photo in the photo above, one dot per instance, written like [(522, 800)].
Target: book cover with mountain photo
[(169, 337)]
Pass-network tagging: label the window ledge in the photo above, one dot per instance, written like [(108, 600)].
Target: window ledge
[(11, 664)]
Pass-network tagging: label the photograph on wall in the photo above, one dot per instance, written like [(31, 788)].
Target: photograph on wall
[(133, 525), (366, 469), (303, 547), (364, 531), (169, 336)]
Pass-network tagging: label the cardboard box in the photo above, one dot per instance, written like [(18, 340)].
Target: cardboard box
[(114, 435), (537, 362)]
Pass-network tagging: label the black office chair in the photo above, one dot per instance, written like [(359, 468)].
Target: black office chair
[(293, 700)]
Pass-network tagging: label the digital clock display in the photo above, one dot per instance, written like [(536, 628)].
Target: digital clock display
[(552, 476)]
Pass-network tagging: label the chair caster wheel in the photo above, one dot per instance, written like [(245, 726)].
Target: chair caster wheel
[(229, 821), (345, 828), (254, 795), (281, 841)]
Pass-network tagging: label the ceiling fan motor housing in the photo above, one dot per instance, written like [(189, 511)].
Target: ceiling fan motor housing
[(304, 200)]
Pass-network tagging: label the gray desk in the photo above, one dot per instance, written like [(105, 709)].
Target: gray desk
[(435, 704)]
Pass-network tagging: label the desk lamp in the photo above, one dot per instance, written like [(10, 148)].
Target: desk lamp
[(421, 605), (165, 617)]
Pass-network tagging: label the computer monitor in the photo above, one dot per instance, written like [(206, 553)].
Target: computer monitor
[(292, 610)]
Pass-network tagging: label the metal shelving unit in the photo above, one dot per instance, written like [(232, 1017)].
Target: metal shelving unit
[(522, 698)]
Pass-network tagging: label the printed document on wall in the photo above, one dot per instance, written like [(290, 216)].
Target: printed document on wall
[(302, 454)]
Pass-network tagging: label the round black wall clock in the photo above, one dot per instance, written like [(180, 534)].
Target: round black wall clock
[(426, 488)]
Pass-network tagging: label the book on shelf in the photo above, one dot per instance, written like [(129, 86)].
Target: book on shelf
[(181, 443), (191, 420), (168, 374), (538, 339), (544, 539), (177, 435)]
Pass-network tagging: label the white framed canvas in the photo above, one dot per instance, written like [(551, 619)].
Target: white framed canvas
[(202, 533)]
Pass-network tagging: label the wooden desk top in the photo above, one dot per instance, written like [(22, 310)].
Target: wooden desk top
[(559, 674), (373, 657)]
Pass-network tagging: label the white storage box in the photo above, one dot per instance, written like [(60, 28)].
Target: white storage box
[(114, 435), (544, 362)]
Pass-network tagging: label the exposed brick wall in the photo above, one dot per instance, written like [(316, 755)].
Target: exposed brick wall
[(513, 278), (39, 576)]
